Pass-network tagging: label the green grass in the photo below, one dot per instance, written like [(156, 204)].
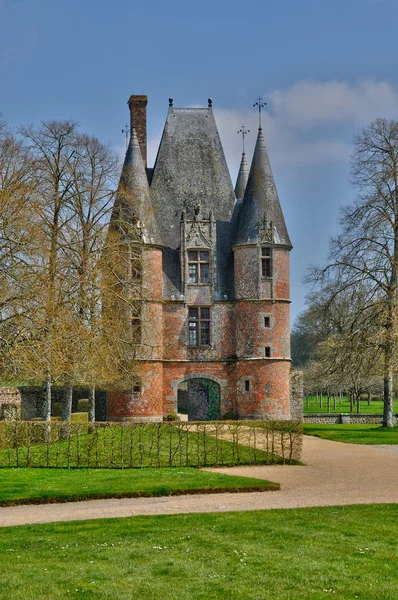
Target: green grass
[(24, 486), (354, 434), (141, 446), (312, 405), (345, 553)]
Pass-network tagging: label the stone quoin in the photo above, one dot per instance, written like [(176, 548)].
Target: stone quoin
[(214, 264)]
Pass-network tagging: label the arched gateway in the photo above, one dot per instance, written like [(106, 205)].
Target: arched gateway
[(199, 398)]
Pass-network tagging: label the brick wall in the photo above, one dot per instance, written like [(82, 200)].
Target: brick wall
[(137, 105)]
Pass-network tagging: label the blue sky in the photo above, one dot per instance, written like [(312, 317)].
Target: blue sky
[(325, 67)]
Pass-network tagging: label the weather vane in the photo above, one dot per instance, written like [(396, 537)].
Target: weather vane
[(260, 105), (244, 132), (126, 132)]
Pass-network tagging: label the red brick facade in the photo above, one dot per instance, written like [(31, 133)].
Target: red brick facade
[(214, 277), (240, 332)]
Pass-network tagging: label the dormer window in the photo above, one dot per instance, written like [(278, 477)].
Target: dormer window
[(266, 261), (198, 266)]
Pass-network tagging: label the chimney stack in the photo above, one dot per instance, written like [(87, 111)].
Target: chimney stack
[(137, 105)]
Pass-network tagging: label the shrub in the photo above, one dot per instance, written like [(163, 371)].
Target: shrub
[(82, 405)]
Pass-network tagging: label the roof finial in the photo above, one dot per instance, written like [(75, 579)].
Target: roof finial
[(210, 102), (170, 101), (126, 132), (260, 105), (244, 132)]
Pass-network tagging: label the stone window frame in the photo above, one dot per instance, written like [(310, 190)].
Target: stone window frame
[(198, 321), (242, 384), (261, 319), (262, 351), (198, 262)]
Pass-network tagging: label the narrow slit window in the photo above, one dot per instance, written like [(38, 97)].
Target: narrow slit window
[(136, 329), (267, 352), (266, 262), (247, 385), (267, 322)]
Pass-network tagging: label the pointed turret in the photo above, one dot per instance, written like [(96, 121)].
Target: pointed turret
[(261, 202), (243, 176), (133, 211)]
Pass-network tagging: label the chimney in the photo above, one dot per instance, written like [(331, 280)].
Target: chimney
[(137, 105)]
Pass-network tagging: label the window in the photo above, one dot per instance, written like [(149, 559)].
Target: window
[(199, 326), (267, 352), (267, 322), (266, 264), (136, 389), (247, 385), (136, 329), (198, 266)]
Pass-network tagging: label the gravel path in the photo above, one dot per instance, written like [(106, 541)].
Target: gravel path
[(335, 473)]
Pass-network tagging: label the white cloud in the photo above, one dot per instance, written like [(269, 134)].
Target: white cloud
[(307, 104), (309, 123)]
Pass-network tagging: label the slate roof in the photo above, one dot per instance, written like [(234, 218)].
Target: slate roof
[(133, 203), (260, 199), (191, 169), (243, 176)]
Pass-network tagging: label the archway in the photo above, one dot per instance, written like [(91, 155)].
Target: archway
[(199, 398)]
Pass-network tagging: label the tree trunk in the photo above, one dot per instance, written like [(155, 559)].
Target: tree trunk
[(334, 401), (369, 398), (358, 404), (328, 403), (47, 399), (388, 383), (321, 401), (91, 405), (351, 403), (67, 403)]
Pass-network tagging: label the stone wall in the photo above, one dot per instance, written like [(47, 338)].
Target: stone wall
[(296, 395), (338, 418)]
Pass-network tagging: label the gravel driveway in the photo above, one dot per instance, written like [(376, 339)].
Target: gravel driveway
[(334, 473)]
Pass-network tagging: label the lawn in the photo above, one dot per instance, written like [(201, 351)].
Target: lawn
[(354, 434), (312, 405), (345, 552), (24, 486)]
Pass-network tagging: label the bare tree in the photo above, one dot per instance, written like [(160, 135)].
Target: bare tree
[(365, 255)]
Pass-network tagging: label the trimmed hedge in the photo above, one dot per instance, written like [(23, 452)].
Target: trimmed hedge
[(132, 445)]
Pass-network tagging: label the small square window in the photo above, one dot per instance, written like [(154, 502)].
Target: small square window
[(247, 385), (136, 389), (267, 322), (267, 352)]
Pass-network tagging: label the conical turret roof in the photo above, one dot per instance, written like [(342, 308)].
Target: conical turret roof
[(243, 176), (261, 201), (133, 212)]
